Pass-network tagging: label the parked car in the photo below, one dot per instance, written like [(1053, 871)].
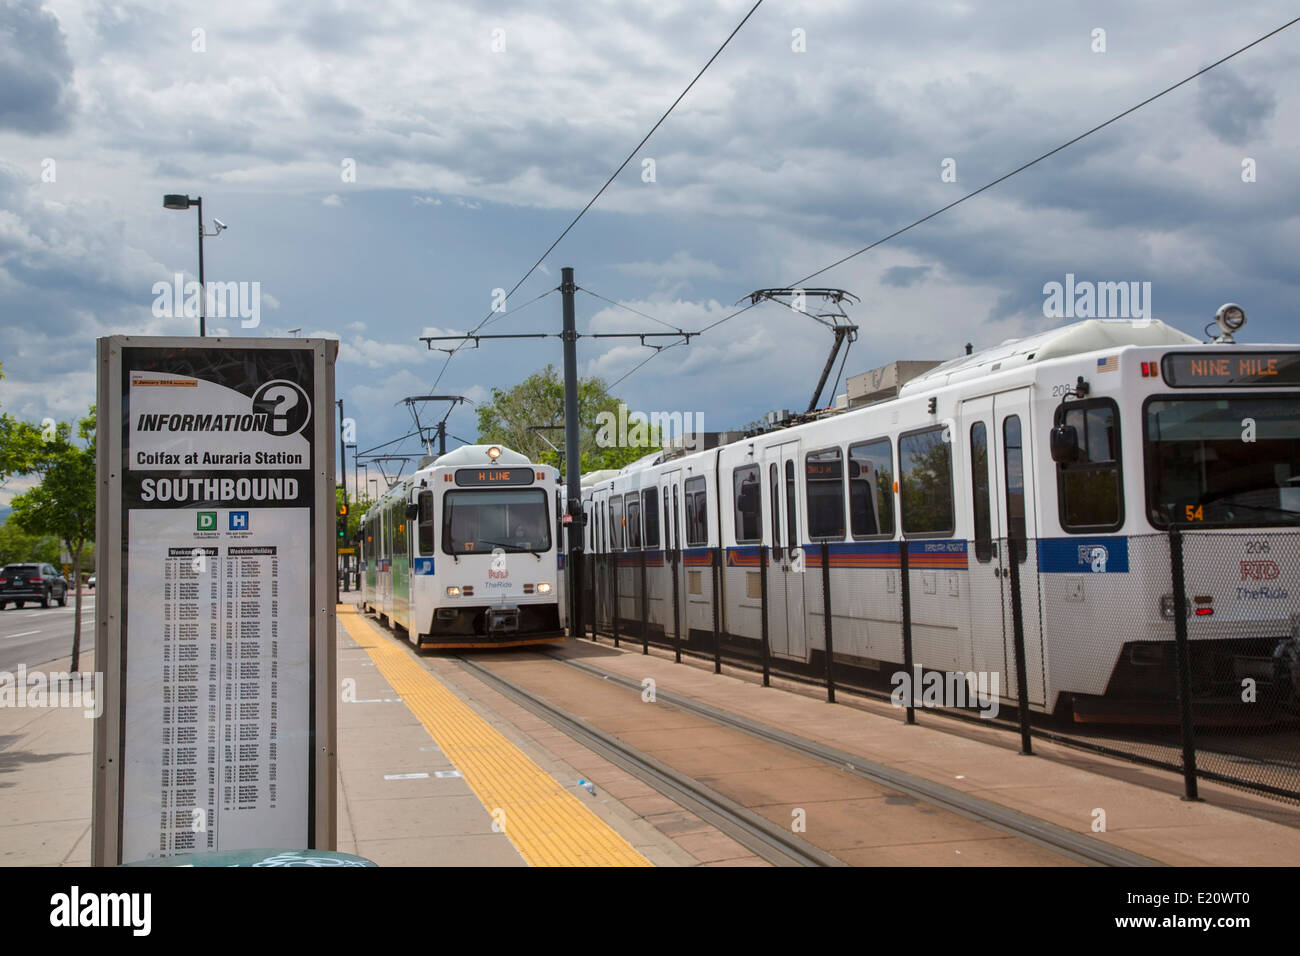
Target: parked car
[(90, 582), (21, 583)]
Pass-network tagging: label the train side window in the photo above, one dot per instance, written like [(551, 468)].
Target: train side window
[(697, 512), (677, 527), (824, 489), (399, 537), (667, 531), (633, 506), (650, 507), (1090, 488), (426, 522), (749, 502), (791, 522), (1014, 456), (979, 468), (871, 489), (615, 523), (776, 510), (925, 482)]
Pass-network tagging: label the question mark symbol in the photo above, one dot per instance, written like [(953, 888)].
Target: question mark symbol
[(285, 400)]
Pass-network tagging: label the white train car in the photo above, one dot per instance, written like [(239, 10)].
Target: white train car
[(1083, 442), (463, 553)]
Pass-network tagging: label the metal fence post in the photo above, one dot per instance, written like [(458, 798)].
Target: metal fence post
[(762, 586), (677, 620), (715, 565), (1018, 631), (617, 564), (1184, 663), (826, 620), (905, 595), (645, 610), (597, 586)]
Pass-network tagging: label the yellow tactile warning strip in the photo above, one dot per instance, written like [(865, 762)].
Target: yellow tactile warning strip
[(546, 823)]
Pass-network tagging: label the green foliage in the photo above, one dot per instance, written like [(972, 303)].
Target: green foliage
[(63, 503), (539, 400), (18, 546)]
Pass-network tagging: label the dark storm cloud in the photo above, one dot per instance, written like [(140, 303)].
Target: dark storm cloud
[(1233, 109), (35, 69), (903, 276)]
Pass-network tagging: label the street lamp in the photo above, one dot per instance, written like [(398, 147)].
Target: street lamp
[(181, 201), (355, 465)]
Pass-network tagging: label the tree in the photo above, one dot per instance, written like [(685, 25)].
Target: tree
[(17, 546), (509, 417), (11, 447), (63, 504)]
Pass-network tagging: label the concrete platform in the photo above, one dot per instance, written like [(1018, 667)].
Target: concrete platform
[(403, 801)]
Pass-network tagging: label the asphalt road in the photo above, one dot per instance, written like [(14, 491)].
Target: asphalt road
[(33, 635)]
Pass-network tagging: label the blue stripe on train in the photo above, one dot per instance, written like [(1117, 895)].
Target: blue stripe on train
[(1076, 555)]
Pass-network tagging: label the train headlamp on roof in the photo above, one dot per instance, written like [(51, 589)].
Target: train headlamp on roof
[(494, 452), (1230, 318)]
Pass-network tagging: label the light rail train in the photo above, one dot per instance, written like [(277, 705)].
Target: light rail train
[(1083, 443), (462, 553)]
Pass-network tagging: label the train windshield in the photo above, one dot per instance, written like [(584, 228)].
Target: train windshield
[(481, 521), (1223, 462)]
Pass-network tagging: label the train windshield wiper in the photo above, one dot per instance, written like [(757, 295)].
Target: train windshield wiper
[(1223, 502)]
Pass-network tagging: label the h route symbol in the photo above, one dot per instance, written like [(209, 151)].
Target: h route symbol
[(239, 521)]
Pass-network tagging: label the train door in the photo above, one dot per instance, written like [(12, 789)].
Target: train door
[(785, 580), (1001, 424)]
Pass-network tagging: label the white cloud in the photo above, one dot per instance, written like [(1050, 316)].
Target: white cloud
[(332, 200)]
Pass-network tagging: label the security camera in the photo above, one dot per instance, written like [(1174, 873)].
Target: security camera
[(220, 225), (1230, 318)]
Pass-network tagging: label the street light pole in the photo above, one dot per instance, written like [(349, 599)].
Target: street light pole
[(183, 201), (203, 288)]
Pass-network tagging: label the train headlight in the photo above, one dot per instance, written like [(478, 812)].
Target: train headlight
[(544, 588), (453, 592), (494, 452)]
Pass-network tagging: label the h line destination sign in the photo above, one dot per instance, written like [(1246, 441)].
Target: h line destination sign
[(215, 619)]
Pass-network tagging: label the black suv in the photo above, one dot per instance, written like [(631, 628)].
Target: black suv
[(32, 582)]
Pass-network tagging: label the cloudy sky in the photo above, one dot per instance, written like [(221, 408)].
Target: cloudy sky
[(383, 167)]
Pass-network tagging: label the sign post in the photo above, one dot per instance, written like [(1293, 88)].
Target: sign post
[(215, 619)]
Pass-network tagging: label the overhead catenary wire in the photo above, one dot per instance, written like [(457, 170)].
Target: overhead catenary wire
[(1003, 178), (628, 308), (612, 177)]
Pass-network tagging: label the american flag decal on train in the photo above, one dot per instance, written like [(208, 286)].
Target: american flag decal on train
[(1108, 364)]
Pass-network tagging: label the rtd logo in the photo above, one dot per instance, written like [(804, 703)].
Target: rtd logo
[(1259, 570)]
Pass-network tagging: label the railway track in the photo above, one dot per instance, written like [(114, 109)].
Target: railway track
[(761, 837), (772, 842)]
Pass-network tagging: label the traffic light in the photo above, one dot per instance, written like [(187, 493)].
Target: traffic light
[(343, 529), (343, 509)]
